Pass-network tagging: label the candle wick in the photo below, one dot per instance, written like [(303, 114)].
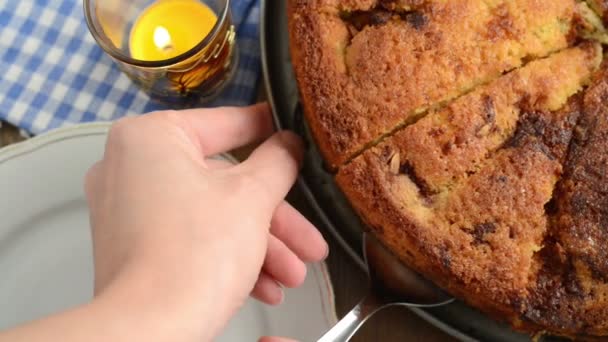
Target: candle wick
[(162, 39)]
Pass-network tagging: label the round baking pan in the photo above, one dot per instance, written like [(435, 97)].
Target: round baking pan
[(317, 184)]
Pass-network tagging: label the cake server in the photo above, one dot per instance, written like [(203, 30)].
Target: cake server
[(391, 283)]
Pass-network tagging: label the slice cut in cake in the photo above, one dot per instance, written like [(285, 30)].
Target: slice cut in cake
[(461, 195), (471, 136), (367, 67), (570, 288), (448, 144)]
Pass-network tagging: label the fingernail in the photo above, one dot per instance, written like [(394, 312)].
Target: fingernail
[(280, 293), (291, 139), (326, 251), (294, 142)]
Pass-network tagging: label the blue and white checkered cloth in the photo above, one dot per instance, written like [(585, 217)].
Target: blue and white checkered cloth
[(52, 73)]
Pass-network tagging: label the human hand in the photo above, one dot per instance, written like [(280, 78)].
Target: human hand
[(186, 239)]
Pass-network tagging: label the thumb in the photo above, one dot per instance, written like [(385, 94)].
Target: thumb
[(273, 168), (275, 339)]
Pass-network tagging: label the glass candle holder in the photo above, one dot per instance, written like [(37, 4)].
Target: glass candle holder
[(181, 52)]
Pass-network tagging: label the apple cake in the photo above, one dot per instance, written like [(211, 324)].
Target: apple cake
[(471, 136)]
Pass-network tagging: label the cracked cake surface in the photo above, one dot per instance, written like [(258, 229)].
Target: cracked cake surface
[(361, 81), (471, 137)]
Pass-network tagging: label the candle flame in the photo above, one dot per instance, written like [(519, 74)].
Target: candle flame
[(162, 38)]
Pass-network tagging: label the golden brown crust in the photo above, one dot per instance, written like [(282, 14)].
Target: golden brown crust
[(471, 147), (481, 237), (449, 143), (477, 262), (357, 83), (572, 281)]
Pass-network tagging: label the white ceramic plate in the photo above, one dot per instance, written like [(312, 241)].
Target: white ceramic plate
[(45, 247)]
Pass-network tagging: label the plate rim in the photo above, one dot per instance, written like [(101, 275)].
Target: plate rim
[(34, 143)]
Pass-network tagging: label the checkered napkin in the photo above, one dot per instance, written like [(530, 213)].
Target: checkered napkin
[(52, 73)]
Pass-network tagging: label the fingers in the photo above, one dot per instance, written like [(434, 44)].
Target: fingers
[(297, 233), (90, 181), (92, 186), (291, 227), (272, 169), (267, 290), (282, 264), (224, 128), (275, 339)]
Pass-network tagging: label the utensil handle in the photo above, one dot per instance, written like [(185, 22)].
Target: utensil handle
[(349, 324)]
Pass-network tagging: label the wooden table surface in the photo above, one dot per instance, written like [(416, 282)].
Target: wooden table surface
[(393, 324)]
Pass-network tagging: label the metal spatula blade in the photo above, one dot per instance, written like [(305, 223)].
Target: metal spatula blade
[(391, 283)]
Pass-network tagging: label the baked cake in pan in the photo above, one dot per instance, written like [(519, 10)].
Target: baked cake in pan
[(471, 137)]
